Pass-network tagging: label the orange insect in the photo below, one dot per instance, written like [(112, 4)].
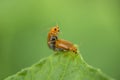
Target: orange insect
[(52, 37), (53, 32), (59, 44), (63, 45)]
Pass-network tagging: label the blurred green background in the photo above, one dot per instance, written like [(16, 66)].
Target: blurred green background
[(94, 25)]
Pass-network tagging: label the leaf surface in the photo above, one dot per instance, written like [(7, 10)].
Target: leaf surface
[(60, 66)]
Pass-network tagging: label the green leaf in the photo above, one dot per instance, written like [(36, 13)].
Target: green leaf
[(60, 66)]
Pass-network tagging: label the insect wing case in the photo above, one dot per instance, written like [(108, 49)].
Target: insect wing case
[(63, 44)]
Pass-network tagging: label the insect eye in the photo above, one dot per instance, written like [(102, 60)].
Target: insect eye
[(55, 29)]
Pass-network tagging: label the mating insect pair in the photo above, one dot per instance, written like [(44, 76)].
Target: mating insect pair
[(57, 44)]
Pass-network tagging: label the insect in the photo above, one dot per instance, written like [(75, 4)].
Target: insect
[(52, 37), (57, 44), (53, 33), (63, 45)]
